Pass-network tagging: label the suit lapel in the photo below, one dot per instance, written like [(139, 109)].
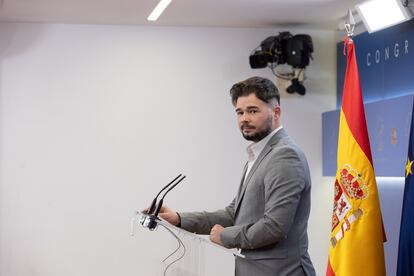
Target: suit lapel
[(246, 179), (241, 182)]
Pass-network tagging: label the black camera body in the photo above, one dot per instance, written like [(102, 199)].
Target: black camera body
[(294, 50)]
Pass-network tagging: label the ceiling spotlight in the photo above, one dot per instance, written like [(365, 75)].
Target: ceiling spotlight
[(158, 10), (380, 14)]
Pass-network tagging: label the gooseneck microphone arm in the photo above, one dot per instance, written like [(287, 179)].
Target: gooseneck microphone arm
[(157, 210), (154, 202), (149, 219)]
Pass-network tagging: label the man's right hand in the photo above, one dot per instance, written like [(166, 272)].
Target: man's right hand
[(169, 215)]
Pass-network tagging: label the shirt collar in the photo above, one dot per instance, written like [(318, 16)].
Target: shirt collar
[(254, 149)]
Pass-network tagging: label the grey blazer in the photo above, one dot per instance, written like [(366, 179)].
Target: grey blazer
[(268, 217)]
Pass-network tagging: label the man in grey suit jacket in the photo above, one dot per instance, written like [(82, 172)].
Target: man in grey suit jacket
[(268, 217)]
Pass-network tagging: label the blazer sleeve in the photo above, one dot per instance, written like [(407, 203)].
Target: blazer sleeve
[(202, 222), (284, 181)]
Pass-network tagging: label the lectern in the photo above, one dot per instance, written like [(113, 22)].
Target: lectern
[(190, 245)]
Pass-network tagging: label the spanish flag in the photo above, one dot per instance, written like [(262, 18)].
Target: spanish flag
[(356, 240)]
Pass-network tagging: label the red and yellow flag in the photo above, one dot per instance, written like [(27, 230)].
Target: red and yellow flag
[(356, 240)]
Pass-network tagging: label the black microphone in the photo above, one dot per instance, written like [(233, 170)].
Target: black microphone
[(150, 219), (154, 202), (162, 199)]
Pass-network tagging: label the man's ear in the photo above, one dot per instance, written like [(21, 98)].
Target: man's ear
[(276, 111)]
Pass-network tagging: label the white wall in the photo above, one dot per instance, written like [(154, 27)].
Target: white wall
[(95, 119)]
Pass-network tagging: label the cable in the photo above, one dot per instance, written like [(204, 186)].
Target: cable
[(135, 220), (288, 76), (180, 244), (178, 248), (280, 76)]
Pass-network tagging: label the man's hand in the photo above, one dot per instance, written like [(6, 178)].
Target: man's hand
[(168, 214), (215, 234)]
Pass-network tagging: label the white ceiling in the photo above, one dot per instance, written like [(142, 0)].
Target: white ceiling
[(218, 13)]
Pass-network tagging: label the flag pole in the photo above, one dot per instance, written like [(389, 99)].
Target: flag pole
[(349, 25)]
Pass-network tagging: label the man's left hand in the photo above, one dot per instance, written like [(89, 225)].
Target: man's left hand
[(215, 234)]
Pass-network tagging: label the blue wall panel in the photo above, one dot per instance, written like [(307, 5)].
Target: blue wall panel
[(330, 127), (388, 124)]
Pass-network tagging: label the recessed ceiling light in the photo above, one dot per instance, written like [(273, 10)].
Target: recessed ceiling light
[(162, 5)]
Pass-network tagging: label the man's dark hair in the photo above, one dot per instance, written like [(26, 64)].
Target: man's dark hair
[(263, 88)]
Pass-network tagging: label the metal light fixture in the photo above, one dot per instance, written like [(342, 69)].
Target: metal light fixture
[(380, 14)]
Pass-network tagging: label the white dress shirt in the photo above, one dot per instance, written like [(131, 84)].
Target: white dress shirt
[(254, 150)]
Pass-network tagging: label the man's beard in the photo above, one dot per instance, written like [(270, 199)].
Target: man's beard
[(257, 136)]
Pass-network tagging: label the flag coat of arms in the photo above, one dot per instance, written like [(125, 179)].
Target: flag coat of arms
[(357, 235)]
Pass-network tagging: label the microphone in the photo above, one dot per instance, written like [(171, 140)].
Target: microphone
[(162, 199), (149, 219), (154, 202), (143, 219)]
